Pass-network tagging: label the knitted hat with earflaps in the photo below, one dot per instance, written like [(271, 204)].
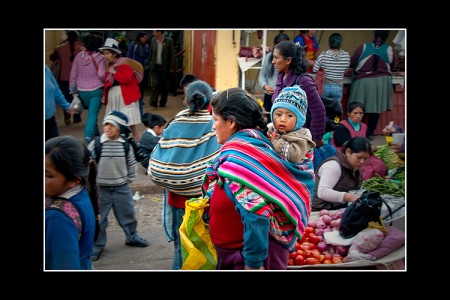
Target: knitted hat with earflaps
[(119, 120), (294, 99)]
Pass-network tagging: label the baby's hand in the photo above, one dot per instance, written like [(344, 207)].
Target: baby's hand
[(270, 128), (271, 135)]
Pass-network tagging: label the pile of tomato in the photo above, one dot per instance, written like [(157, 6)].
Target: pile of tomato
[(312, 250)]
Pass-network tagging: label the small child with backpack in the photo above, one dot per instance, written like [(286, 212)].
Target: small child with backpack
[(116, 170), (154, 125)]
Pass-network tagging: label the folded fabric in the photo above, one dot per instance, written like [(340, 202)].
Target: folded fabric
[(394, 239), (335, 239)]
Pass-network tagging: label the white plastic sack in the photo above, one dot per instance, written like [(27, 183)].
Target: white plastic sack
[(76, 105)]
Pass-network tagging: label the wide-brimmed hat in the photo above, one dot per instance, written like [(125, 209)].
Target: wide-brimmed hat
[(111, 44)]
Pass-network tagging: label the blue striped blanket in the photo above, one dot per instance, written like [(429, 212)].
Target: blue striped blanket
[(179, 160)]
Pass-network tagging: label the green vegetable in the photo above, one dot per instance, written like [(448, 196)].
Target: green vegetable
[(389, 157), (384, 186)]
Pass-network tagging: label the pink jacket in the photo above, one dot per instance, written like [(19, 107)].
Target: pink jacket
[(85, 75)]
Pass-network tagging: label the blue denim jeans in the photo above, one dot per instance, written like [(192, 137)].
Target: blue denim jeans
[(93, 101), (333, 91), (178, 214)]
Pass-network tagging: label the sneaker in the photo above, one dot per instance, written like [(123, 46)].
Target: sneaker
[(138, 242), (96, 256), (76, 118)]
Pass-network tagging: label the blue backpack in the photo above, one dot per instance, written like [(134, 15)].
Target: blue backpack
[(67, 208)]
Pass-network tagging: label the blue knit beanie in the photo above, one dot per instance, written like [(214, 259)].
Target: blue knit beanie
[(119, 120), (294, 99)]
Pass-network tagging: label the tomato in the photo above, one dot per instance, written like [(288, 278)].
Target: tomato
[(315, 253), (309, 229), (297, 245), (312, 261), (313, 238), (307, 253), (301, 252), (304, 239), (299, 260), (291, 262), (308, 246), (293, 255), (327, 262), (335, 255), (336, 260)]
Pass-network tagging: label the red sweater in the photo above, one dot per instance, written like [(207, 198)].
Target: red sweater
[(225, 223), (176, 200), (129, 84)]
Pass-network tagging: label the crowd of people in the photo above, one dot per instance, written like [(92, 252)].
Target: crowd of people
[(257, 171)]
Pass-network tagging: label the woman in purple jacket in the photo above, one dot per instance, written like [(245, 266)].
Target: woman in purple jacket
[(291, 64)]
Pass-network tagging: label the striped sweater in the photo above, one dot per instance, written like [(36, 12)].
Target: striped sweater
[(114, 169), (334, 65)]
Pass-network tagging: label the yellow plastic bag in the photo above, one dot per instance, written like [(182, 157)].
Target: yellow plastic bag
[(197, 249)]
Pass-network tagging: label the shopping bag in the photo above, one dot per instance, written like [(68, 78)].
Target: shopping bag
[(357, 215), (197, 249), (76, 105)]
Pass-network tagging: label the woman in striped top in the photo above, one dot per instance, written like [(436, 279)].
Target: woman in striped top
[(334, 62)]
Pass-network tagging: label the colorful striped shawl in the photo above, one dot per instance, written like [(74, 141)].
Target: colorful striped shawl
[(249, 159)]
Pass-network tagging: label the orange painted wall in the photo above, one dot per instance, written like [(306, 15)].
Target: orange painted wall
[(204, 65)]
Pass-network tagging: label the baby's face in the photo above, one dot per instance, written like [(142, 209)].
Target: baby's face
[(284, 120)]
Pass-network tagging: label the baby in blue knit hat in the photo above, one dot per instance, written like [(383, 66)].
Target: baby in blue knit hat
[(288, 113)]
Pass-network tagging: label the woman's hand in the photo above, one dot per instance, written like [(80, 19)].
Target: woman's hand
[(269, 89), (350, 197), (112, 70)]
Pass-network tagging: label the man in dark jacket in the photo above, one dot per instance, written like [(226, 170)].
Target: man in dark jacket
[(162, 62)]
